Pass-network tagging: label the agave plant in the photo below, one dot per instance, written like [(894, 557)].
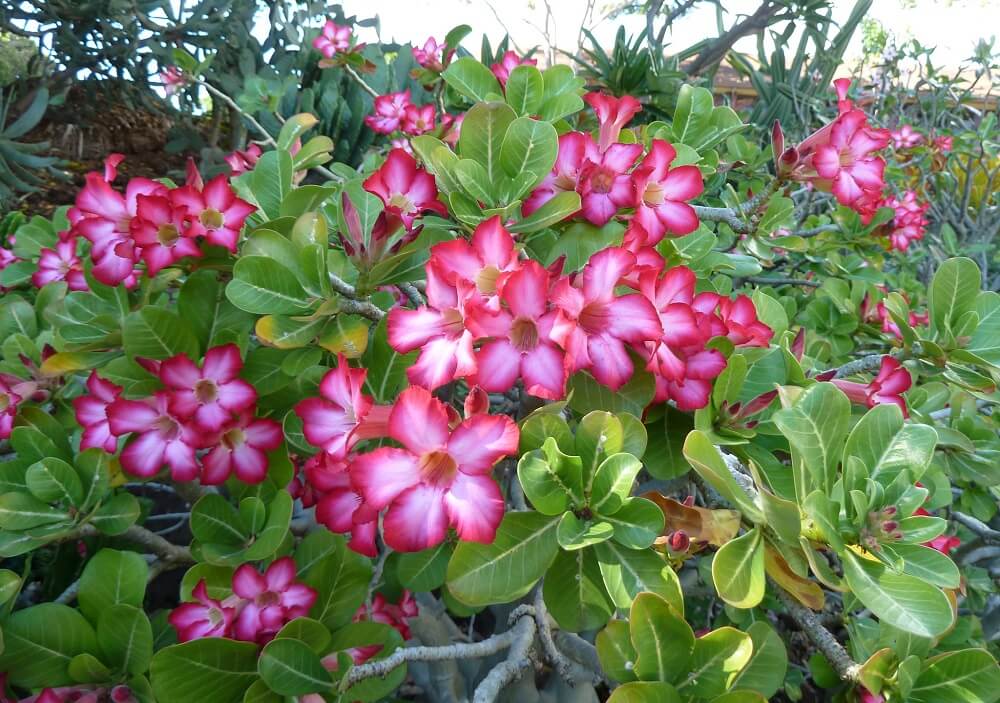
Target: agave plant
[(20, 161)]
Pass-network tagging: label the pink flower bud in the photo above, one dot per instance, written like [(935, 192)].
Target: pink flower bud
[(679, 541)]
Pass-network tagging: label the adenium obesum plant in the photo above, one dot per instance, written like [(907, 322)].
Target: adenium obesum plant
[(566, 375)]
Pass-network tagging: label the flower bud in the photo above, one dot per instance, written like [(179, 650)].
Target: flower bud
[(788, 160), (890, 511), (777, 139), (679, 541), (889, 526)]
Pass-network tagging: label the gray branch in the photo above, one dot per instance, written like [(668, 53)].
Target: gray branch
[(847, 669), (518, 659)]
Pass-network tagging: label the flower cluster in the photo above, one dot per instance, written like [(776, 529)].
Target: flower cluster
[(261, 605), (432, 55), (438, 478), (880, 313), (395, 113), (888, 386), (153, 223), (200, 408), (392, 614), (841, 158), (78, 694), (905, 137), (908, 222), (602, 173)]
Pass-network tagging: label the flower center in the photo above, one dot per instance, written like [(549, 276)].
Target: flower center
[(486, 281), (233, 438), (268, 598), (167, 427), (602, 180), (566, 181), (452, 322), (524, 334), (212, 218), (438, 468), (846, 159), (205, 390), (401, 202), (215, 616), (167, 235), (4, 402), (653, 195), (594, 318)]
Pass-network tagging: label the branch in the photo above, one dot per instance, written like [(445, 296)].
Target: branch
[(865, 363), (557, 659), (360, 81), (847, 669), (473, 650), (765, 281), (987, 533), (154, 544), (363, 308), (518, 659), (722, 214), (268, 139)]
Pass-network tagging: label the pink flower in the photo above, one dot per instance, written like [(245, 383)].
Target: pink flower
[(838, 158), (866, 696), (432, 56), (451, 128), (418, 120), (401, 143), (842, 85), (887, 387), (389, 111), (575, 149), (909, 222), (271, 600), (215, 211), (173, 79), (242, 451), (91, 413), (944, 543), (661, 192), (206, 617), (211, 395), (905, 137), (480, 263), (508, 63), (160, 438), (521, 346), (406, 190), (612, 114), (343, 415), (9, 401), (333, 39), (604, 184), (60, 264), (739, 317), (438, 329), (392, 614), (243, 161), (339, 506), (439, 478), (594, 324), (164, 232), (944, 144)]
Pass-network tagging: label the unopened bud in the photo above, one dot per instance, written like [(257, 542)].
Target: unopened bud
[(777, 139), (889, 525), (890, 511), (788, 160), (689, 501), (679, 541)]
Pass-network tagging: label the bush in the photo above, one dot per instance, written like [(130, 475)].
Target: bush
[(644, 413)]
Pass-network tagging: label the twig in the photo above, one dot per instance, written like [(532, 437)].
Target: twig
[(557, 659), (518, 659), (765, 281), (847, 669), (151, 542), (376, 578), (865, 363), (412, 293), (363, 308), (360, 81), (233, 106), (462, 650), (722, 214)]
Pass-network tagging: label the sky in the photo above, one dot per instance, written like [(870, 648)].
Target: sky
[(954, 26)]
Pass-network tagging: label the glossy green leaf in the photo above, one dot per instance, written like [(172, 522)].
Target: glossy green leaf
[(613, 482), (487, 124), (125, 638), (629, 572), (111, 578), (765, 672), (718, 658), (155, 333), (525, 90), (576, 533), (472, 79), (815, 426), (291, 668), (551, 480), (663, 641), (53, 480), (261, 285), (574, 591), (953, 292), (645, 692), (529, 147), (39, 643), (706, 460), (210, 669), (965, 676), (738, 570)]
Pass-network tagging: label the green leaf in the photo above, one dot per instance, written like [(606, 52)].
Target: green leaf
[(615, 651), (886, 446), (525, 90), (39, 643), (574, 533), (291, 668), (261, 285), (386, 367), (361, 634), (632, 398), (482, 136), (953, 292), (815, 427), (738, 570), (155, 333), (311, 632), (116, 515), (339, 576), (529, 147), (426, 570), (53, 480), (125, 638), (472, 79), (613, 482), (203, 305), (927, 564), (86, 668), (111, 578), (629, 572), (901, 600), (483, 574), (294, 127), (985, 341), (269, 539), (966, 676), (706, 460), (637, 523), (692, 115), (20, 511), (210, 669), (93, 466), (574, 591), (551, 480), (663, 641), (214, 519), (765, 673), (718, 658), (538, 427), (562, 93), (10, 584), (271, 181), (554, 210), (645, 692)]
